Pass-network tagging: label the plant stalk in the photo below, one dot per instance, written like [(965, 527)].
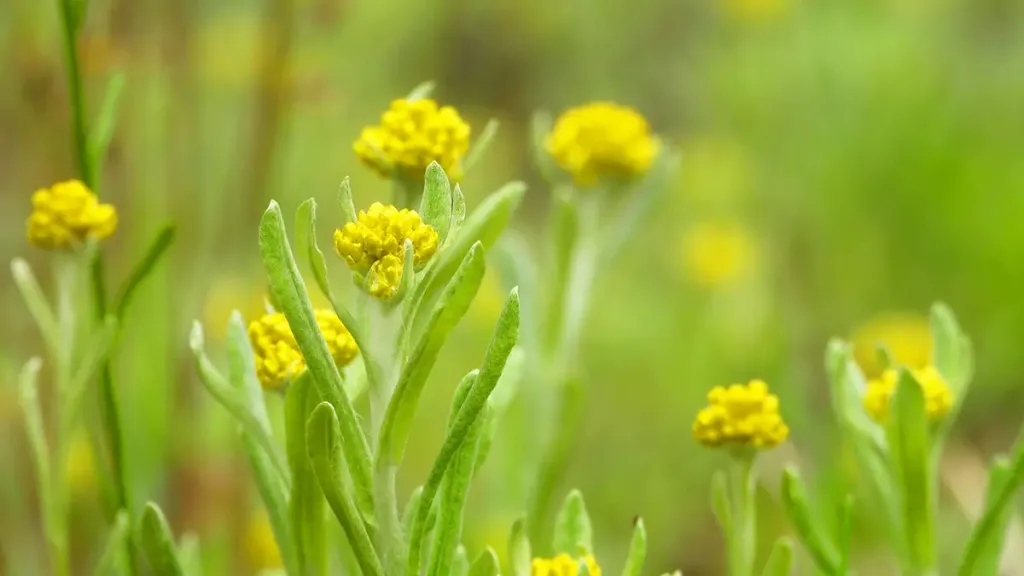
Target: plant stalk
[(742, 491)]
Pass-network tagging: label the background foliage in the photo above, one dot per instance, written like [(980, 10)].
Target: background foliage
[(841, 160)]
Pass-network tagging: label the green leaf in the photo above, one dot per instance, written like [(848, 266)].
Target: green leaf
[(422, 90), (484, 225), (306, 245), (348, 208), (157, 543), (307, 506), (953, 356), (37, 304), (450, 308), (103, 132), (519, 554), (324, 442), (502, 342), (486, 564), (436, 206), (573, 534), (637, 550), (912, 473), (781, 558), (234, 397), (844, 531), (113, 559), (812, 532), (460, 562), (848, 388), (720, 501), (143, 268), (564, 228), (290, 294), (983, 546), (190, 555), (409, 514), (480, 145), (455, 488), (28, 389), (97, 352)]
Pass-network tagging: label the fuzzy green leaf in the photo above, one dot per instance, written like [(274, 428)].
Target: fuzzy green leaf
[(455, 488), (953, 356), (324, 443), (235, 398), (480, 145), (999, 477), (781, 558), (307, 506), (450, 308), (720, 501), (437, 203), (422, 90), (157, 543), (28, 391), (502, 342), (573, 534), (36, 302), (519, 554), (458, 214), (348, 207), (912, 473), (306, 245), (289, 292), (484, 225), (637, 550), (143, 268), (845, 529), (97, 352), (812, 532), (486, 564), (460, 562), (990, 528), (113, 560), (190, 555)]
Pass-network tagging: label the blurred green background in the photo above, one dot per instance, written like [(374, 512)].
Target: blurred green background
[(842, 160)]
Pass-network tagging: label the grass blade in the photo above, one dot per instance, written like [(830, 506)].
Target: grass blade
[(158, 543), (637, 550), (37, 304), (157, 248)]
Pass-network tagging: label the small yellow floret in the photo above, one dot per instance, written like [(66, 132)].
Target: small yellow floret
[(602, 140), (717, 254), (411, 135), (278, 358), (66, 214), (261, 544), (375, 243), (563, 565), (746, 415), (937, 398)]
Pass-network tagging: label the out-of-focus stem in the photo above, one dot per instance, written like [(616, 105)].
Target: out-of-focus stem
[(743, 540)]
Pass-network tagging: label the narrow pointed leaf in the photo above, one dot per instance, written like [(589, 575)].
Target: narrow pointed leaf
[(290, 294), (157, 543), (781, 559), (422, 90), (990, 528), (502, 342), (143, 268), (486, 564), (324, 442), (437, 203), (306, 245), (307, 506), (573, 534), (519, 554), (348, 208), (113, 560), (480, 145), (106, 121), (813, 534), (637, 550), (720, 501), (36, 302)]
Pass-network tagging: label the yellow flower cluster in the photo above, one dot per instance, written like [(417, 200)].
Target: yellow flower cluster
[(747, 415), (278, 358), (563, 565), (602, 140), (411, 135), (375, 243), (67, 214), (937, 398), (717, 254)]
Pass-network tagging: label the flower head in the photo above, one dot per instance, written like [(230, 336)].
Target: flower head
[(411, 135), (937, 397), (717, 254), (375, 243), (67, 214), (563, 565), (278, 358), (906, 336), (602, 140), (746, 415)]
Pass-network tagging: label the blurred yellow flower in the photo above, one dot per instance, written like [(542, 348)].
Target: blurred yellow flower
[(715, 254), (937, 398), (375, 243), (66, 214), (223, 48), (907, 337), (755, 11), (278, 358), (746, 415), (226, 294), (80, 466), (411, 135), (563, 565), (602, 140), (260, 543)]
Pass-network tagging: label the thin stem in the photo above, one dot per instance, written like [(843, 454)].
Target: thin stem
[(110, 413), (743, 540), (65, 272)]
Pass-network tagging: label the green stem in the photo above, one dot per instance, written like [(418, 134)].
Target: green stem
[(743, 540), (65, 272), (87, 171)]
